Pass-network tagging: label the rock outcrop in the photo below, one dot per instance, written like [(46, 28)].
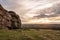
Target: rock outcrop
[(9, 19)]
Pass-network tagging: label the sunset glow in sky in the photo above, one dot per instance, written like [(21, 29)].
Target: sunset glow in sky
[(35, 11)]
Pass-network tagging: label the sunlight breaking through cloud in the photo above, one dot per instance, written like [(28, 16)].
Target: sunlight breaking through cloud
[(34, 9)]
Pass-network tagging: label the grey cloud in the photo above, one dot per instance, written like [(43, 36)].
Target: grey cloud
[(8, 4), (56, 12), (13, 4)]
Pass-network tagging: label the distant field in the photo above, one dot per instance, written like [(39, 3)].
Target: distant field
[(30, 34), (41, 26)]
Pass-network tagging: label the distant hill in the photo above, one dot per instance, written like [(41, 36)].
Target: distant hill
[(41, 26)]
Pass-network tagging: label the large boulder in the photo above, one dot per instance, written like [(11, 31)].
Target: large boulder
[(9, 19), (15, 21)]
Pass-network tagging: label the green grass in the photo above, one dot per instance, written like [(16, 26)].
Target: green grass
[(9, 35), (30, 34), (43, 34)]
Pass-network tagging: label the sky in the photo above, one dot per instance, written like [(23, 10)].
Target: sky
[(35, 11)]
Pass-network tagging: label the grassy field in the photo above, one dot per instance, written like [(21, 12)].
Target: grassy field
[(30, 34), (10, 35)]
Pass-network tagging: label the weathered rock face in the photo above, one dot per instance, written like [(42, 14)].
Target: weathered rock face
[(9, 19), (15, 20)]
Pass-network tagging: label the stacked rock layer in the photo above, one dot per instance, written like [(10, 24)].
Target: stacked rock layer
[(9, 19)]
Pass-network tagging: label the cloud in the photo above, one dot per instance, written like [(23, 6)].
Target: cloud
[(32, 7), (53, 12)]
